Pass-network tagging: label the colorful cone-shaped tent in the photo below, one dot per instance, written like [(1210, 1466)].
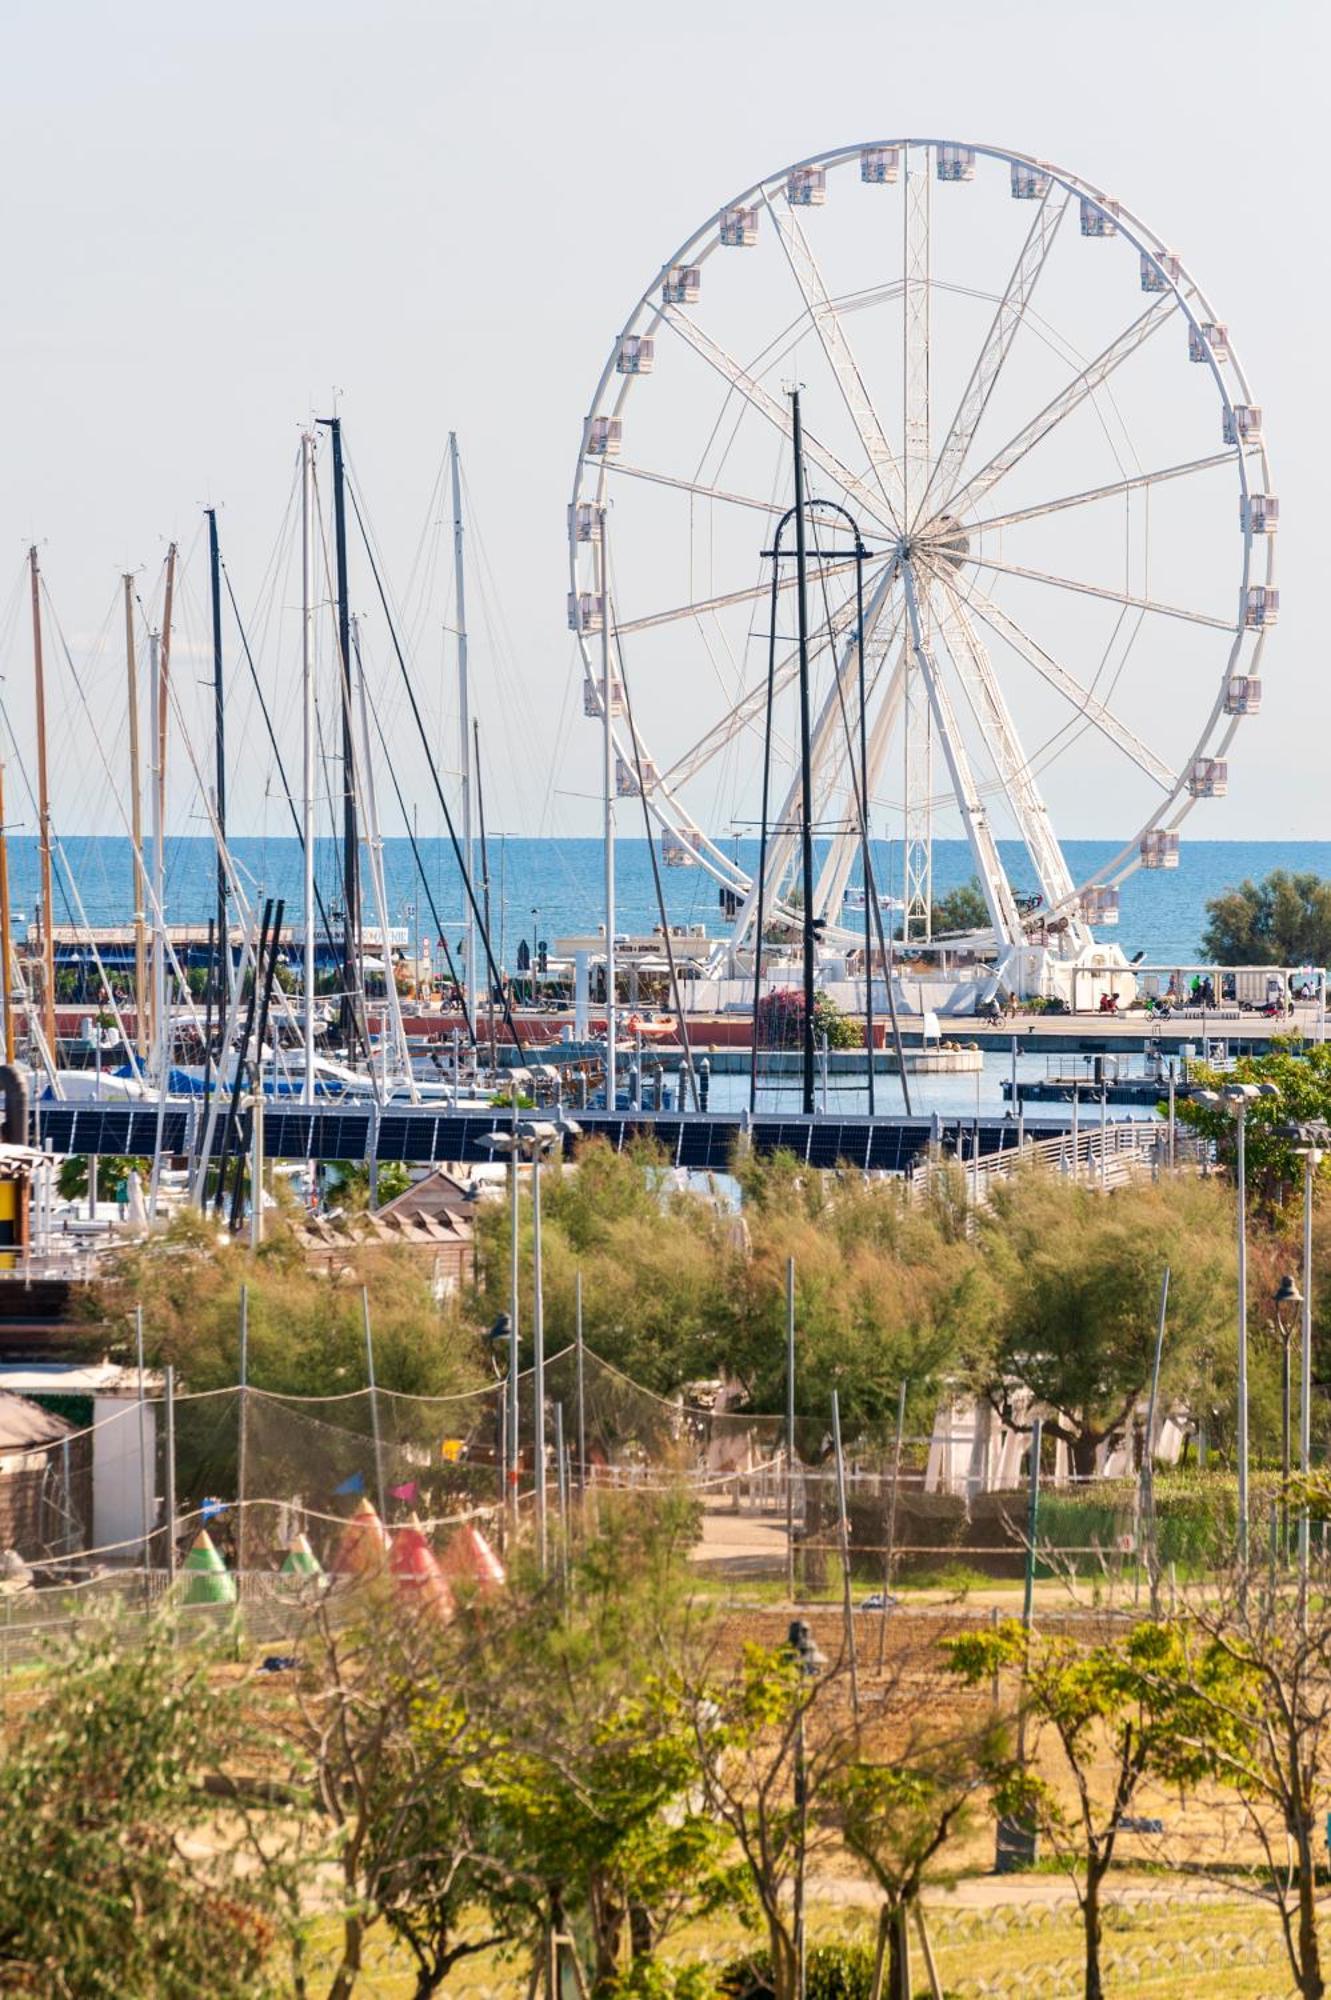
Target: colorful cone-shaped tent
[(300, 1559), (206, 1577), (416, 1572), (362, 1547), (469, 1559)]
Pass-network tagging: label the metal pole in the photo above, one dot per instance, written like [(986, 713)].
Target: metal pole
[(374, 1404), (171, 1474), (1173, 1128), (608, 782), (243, 1447), (145, 1473), (579, 1356), (1104, 1138), (538, 1346), (790, 1426), (1032, 1523), (308, 752), (889, 1553), (843, 1531), (866, 866), (513, 1343), (1148, 1455), (352, 1013), (806, 757), (1240, 1126), (1310, 1159)]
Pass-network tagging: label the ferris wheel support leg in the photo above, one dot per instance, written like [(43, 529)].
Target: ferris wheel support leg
[(997, 889)]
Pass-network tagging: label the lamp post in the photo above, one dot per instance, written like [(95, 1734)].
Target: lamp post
[(1287, 1294), (811, 1663), (1311, 1139), (1235, 1099)]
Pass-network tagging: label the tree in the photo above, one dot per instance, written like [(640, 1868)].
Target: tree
[(1299, 1091), (352, 1182), (112, 1170), (381, 1743), (961, 909), (1259, 1662), (103, 1892), (592, 1771), (1073, 1283), (898, 1813), (770, 1743), (781, 1021), (1131, 1709), (1283, 920)]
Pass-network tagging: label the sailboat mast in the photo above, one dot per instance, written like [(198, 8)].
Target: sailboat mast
[(464, 712), (308, 744), (219, 749), (161, 684), (351, 1011), (485, 882), (6, 941), (136, 831), (43, 812), (608, 782)]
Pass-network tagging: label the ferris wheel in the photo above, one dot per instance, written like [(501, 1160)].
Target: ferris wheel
[(1039, 424)]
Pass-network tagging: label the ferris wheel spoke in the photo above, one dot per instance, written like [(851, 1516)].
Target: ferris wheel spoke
[(1067, 685), (1108, 596), (750, 706), (1008, 316), (1003, 913), (706, 604), (915, 334), (695, 487), (1070, 398), (1115, 490), (1014, 770), (778, 414), (825, 737), (836, 348), (836, 869)]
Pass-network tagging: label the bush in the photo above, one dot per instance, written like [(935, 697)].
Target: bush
[(832, 1972)]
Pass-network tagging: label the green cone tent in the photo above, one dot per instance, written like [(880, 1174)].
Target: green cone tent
[(300, 1559), (206, 1577)]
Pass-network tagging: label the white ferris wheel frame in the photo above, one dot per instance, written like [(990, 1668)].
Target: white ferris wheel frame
[(878, 495)]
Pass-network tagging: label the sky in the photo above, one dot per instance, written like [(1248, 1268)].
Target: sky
[(220, 222)]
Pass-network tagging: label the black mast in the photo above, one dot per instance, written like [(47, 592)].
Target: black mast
[(806, 761), (350, 831), (219, 744)]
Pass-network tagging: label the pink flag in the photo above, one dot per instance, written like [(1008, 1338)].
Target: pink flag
[(407, 1492)]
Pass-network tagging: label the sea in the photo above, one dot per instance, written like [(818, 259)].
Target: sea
[(546, 889)]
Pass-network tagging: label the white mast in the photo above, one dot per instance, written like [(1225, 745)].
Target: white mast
[(608, 779), (375, 849), (308, 746), (162, 1025), (464, 719)]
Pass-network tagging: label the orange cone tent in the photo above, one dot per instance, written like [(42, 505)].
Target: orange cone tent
[(469, 1559), (416, 1572), (363, 1544)]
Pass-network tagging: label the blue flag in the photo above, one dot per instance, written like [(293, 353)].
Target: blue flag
[(356, 1484), (210, 1509)]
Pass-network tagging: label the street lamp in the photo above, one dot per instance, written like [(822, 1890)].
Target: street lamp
[(1287, 1294), (1234, 1099), (811, 1661)]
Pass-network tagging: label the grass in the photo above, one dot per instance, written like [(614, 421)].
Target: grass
[(1177, 1948)]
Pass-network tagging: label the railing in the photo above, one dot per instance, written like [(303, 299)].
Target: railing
[(1105, 1155)]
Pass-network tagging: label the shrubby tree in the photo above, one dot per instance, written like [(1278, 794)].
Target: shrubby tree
[(1121, 1713), (101, 1788), (1072, 1281), (1283, 920)]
